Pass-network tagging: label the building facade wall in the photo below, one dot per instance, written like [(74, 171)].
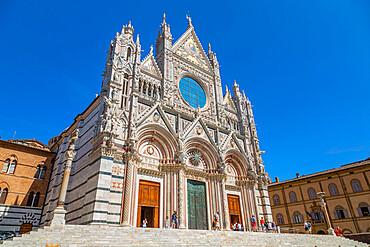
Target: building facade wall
[(23, 190), (141, 128), (346, 199)]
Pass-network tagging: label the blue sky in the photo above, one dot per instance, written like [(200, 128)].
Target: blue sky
[(305, 65)]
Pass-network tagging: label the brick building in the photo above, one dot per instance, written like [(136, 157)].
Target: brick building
[(25, 170), (347, 198)]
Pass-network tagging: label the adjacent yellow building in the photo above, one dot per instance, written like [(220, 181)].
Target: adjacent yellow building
[(347, 199)]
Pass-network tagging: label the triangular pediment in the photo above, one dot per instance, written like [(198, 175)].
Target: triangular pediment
[(189, 47), (199, 129), (156, 115), (231, 142), (149, 65), (228, 101)]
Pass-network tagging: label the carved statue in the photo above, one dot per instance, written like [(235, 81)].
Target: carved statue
[(70, 153)]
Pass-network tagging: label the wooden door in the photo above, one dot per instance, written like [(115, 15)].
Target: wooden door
[(234, 208), (148, 197), (197, 210)]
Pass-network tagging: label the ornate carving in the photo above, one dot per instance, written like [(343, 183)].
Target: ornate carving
[(181, 198), (70, 153)]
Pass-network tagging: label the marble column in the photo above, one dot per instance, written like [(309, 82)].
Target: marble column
[(225, 206), (127, 193), (181, 199), (58, 215)]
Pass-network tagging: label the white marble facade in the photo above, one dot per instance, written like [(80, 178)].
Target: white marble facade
[(142, 128)]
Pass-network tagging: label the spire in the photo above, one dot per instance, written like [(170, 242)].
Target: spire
[(164, 38), (189, 21), (210, 53), (236, 88), (164, 20), (244, 95), (127, 30), (137, 39)]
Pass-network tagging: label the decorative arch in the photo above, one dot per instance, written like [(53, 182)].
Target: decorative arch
[(297, 217), (10, 164), (363, 209), (356, 185), (276, 200), (292, 196), (347, 231), (280, 219), (205, 148), (238, 160), (340, 212), (159, 138), (333, 189), (4, 185), (311, 193)]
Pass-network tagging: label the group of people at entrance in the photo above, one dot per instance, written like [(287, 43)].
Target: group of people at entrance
[(265, 226), (174, 221)]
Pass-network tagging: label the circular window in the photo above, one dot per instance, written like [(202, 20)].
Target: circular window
[(192, 92)]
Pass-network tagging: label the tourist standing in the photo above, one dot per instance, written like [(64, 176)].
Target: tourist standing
[(306, 227), (267, 226), (309, 227), (214, 223), (174, 220), (166, 222), (145, 222), (217, 215), (262, 223), (253, 221), (273, 226)]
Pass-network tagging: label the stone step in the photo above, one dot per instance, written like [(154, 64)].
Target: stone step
[(72, 235)]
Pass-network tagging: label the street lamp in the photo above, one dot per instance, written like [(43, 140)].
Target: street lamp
[(323, 207)]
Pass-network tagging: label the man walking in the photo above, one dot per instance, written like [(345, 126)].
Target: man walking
[(253, 221)]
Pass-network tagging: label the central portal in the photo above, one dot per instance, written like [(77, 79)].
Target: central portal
[(197, 210)]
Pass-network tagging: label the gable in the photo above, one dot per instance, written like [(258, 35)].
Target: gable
[(189, 47), (191, 52), (149, 67), (149, 64)]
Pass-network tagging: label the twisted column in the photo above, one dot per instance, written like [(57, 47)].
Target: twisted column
[(58, 215), (127, 195), (181, 199)]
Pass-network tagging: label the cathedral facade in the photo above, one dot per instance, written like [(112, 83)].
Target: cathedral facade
[(162, 137)]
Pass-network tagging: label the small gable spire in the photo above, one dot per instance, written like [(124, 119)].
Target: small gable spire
[(189, 21), (164, 19)]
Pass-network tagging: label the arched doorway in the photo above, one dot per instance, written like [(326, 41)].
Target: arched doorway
[(197, 208), (148, 203)]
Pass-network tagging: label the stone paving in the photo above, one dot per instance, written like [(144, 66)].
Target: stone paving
[(94, 235)]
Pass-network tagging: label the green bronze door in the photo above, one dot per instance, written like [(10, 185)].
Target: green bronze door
[(197, 210)]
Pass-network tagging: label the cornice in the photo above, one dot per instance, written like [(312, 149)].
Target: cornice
[(21, 147)]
